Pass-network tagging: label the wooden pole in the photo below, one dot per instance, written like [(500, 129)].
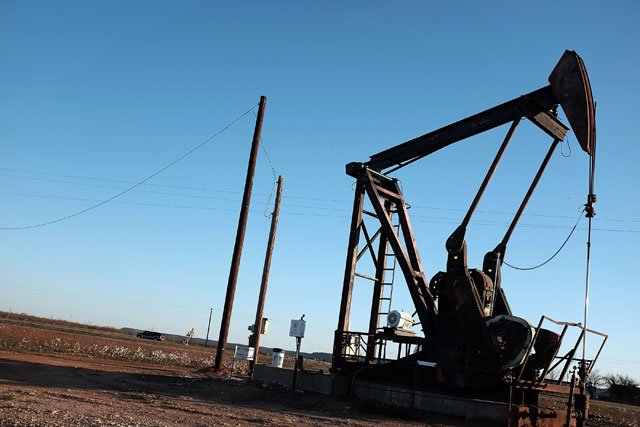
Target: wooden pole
[(206, 341), (257, 326), (237, 249)]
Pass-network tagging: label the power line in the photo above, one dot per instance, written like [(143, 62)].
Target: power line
[(417, 218), (137, 184), (132, 182), (635, 362), (162, 205), (318, 199), (266, 212), (101, 179), (196, 196), (111, 187)]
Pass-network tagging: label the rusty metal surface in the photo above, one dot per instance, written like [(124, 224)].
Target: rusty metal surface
[(547, 387), (471, 340), (349, 274), (431, 142), (529, 415), (471, 354), (407, 255), (467, 355), (571, 87)]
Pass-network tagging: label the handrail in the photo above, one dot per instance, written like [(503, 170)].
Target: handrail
[(569, 357)]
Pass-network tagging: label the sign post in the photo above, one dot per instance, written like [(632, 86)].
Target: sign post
[(297, 331)]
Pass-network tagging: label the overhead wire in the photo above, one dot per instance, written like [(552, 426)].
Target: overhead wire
[(552, 256), (266, 212), (84, 184), (196, 196), (319, 199), (80, 199), (217, 190), (104, 180), (428, 219), (137, 184)]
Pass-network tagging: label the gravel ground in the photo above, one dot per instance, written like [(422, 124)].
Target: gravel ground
[(63, 374), (45, 390)]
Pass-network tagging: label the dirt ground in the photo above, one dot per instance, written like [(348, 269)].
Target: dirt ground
[(63, 374), (43, 390), (75, 375)]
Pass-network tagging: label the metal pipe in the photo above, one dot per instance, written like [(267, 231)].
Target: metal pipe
[(237, 249), (571, 354), (570, 403), (590, 213), (586, 287), (529, 347), (257, 326), (597, 354)]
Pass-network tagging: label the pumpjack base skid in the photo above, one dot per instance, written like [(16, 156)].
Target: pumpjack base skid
[(490, 405)]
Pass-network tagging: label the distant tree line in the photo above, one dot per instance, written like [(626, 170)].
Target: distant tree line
[(622, 388)]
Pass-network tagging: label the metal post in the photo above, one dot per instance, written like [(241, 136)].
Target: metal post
[(570, 401), (295, 365), (582, 398), (257, 326), (237, 249), (206, 341), (349, 272), (352, 253)]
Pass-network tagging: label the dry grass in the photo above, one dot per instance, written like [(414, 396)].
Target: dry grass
[(54, 323), (27, 339), (30, 334), (44, 335)]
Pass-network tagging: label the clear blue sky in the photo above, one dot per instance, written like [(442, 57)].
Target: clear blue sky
[(94, 93)]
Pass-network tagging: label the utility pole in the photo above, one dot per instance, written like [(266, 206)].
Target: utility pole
[(254, 341), (206, 341), (237, 249)]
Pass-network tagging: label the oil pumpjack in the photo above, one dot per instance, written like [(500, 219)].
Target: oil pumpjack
[(473, 345)]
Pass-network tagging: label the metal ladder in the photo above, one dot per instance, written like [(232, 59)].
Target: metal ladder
[(386, 295)]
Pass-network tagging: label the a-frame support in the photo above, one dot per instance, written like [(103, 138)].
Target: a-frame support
[(385, 196)]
